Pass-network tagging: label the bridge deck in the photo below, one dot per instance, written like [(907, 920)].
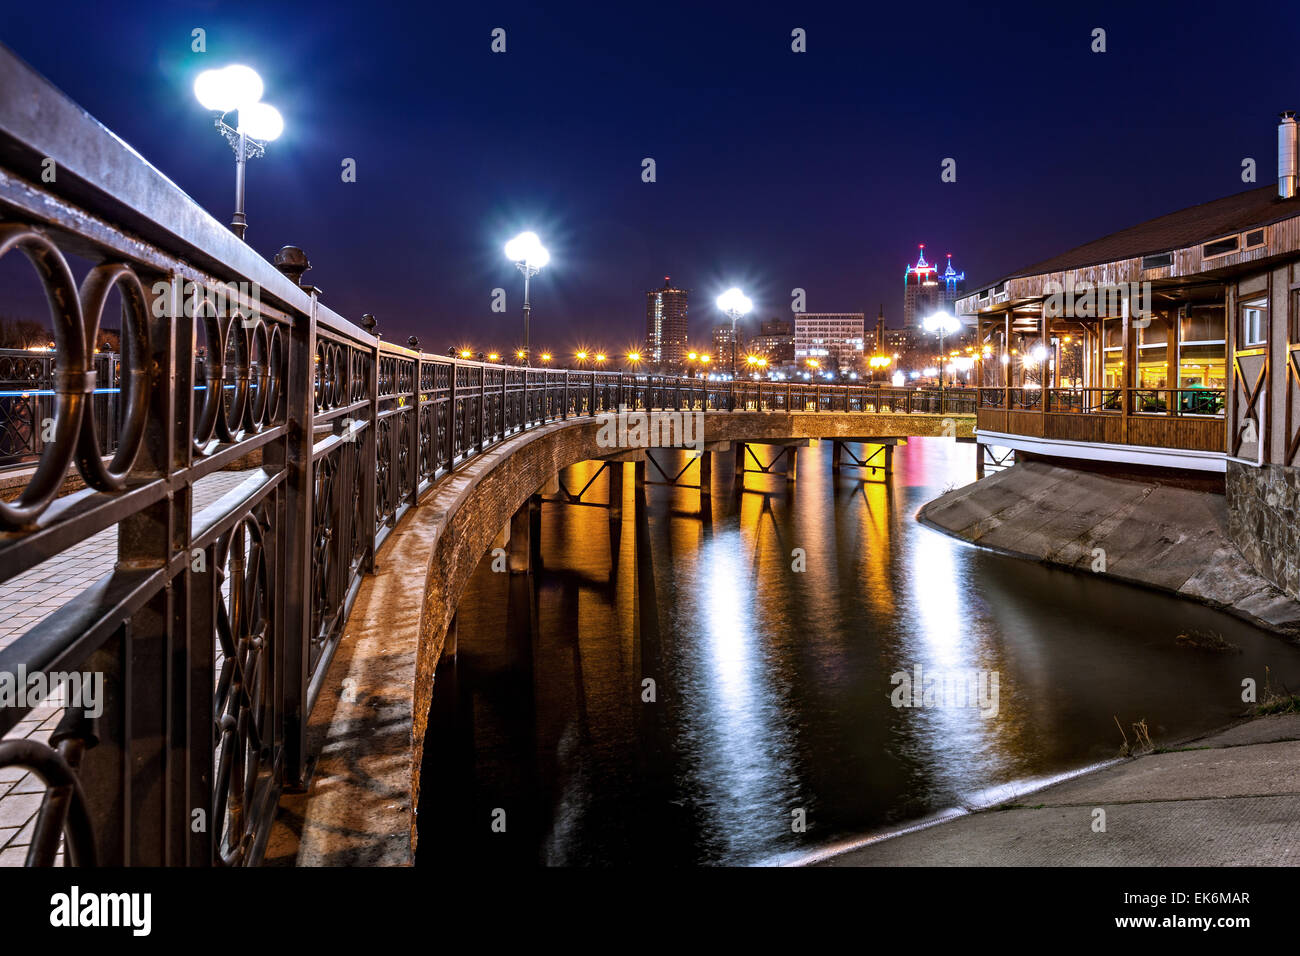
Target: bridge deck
[(25, 601)]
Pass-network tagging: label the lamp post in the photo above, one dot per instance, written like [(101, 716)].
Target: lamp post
[(239, 89), (734, 304), (529, 255), (944, 324)]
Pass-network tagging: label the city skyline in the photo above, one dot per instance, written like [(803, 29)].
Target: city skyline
[(794, 198)]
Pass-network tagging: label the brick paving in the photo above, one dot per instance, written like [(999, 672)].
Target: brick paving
[(27, 599)]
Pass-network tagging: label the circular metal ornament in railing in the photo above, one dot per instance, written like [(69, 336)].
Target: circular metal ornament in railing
[(134, 376), (74, 383)]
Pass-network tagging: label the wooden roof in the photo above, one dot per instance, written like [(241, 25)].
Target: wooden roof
[(1176, 230)]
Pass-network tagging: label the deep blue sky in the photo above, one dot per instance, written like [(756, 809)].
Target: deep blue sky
[(775, 169)]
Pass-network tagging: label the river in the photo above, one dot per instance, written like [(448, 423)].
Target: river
[(780, 629)]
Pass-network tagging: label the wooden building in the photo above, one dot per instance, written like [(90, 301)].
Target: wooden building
[(1173, 344)]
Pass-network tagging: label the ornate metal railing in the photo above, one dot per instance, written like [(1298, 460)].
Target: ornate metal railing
[(27, 392), (214, 628)]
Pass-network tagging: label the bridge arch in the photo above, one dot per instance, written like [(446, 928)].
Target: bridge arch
[(369, 724)]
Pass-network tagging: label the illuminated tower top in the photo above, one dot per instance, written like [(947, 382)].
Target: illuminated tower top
[(922, 273), (953, 280)]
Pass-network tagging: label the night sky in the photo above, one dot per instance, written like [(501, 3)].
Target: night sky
[(774, 169)]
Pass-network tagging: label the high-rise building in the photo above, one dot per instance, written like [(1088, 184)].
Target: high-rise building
[(921, 292), (775, 342), (926, 290), (954, 284), (722, 338), (665, 327), (835, 339)]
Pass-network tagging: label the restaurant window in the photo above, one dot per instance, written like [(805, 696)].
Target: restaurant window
[(1201, 347), (1112, 352), (1153, 352), (1254, 322)]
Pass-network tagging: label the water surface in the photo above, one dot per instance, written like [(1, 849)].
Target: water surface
[(773, 686)]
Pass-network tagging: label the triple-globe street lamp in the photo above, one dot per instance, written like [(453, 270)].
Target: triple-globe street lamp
[(944, 324), (238, 89), (529, 256), (734, 304)]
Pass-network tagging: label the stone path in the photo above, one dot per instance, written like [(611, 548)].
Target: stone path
[(1229, 799), (26, 600)]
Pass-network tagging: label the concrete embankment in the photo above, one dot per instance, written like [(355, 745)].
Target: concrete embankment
[(1229, 799), (1149, 531)]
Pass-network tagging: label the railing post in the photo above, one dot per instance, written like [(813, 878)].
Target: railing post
[(564, 411), (298, 550), (414, 426), (367, 455), (452, 423), (481, 417)]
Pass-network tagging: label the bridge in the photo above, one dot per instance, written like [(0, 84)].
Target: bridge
[(202, 532)]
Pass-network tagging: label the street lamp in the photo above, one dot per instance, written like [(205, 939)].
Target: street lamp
[(944, 324), (529, 255), (734, 303), (239, 89), (877, 362)]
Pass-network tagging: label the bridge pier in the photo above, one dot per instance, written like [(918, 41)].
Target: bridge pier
[(524, 545), (614, 496)]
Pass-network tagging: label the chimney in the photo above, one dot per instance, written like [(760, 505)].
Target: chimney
[(1288, 163)]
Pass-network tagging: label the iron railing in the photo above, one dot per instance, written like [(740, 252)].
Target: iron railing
[(215, 627), (27, 393)]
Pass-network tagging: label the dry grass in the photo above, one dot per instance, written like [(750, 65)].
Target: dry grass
[(1207, 641), (1276, 700), (1141, 739)]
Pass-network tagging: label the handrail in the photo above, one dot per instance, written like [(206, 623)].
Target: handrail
[(222, 618)]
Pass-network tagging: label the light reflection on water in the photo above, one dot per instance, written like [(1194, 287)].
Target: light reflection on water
[(773, 686)]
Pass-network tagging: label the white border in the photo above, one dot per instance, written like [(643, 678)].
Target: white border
[(1215, 461)]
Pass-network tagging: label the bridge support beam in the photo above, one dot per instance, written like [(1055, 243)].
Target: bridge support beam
[(884, 452)]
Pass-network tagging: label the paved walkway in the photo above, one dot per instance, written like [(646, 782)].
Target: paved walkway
[(1230, 799), (26, 600)]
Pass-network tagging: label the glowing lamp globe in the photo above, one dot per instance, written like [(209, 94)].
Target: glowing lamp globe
[(733, 300), (941, 322), (261, 122), (231, 88), (528, 249)]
